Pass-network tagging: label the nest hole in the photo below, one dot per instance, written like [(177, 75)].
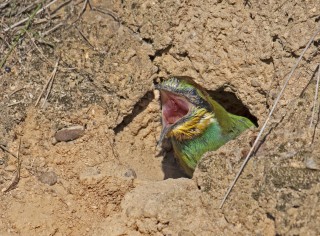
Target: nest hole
[(232, 104)]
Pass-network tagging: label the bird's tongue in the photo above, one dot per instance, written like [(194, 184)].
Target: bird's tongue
[(174, 107)]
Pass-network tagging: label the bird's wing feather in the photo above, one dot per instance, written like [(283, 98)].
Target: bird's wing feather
[(221, 115), (227, 121)]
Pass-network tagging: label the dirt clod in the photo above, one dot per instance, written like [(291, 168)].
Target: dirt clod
[(49, 178)]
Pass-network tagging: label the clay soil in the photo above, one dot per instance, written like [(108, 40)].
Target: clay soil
[(112, 179)]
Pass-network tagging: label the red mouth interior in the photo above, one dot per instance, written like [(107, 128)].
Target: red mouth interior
[(174, 107)]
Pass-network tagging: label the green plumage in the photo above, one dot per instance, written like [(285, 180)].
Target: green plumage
[(206, 126), (189, 152)]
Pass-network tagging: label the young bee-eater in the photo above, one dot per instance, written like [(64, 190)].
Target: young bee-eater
[(194, 122)]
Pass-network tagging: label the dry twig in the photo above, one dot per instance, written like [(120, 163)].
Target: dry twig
[(43, 56), (39, 50), (27, 8), (86, 2), (267, 120), (15, 91), (48, 85), (85, 38), (4, 5), (8, 151), (45, 20), (52, 29), (51, 82), (14, 104), (315, 100), (16, 177), (108, 12)]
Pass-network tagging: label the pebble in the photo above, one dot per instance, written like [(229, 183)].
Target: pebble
[(312, 164), (7, 69), (130, 173), (255, 83), (49, 178), (69, 134)]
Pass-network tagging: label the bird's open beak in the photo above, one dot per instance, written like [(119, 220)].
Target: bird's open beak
[(165, 130), (174, 107)]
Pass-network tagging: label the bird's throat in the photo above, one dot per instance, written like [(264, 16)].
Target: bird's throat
[(197, 121), (174, 107), (182, 119)]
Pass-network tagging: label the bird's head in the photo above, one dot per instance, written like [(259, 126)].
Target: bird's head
[(186, 112)]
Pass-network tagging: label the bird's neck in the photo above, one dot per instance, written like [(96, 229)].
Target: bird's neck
[(189, 151)]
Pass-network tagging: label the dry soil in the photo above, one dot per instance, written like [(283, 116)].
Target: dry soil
[(113, 179)]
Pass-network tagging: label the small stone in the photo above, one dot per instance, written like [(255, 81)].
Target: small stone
[(49, 178), (130, 173), (255, 83), (312, 164), (54, 141), (7, 69), (69, 134)]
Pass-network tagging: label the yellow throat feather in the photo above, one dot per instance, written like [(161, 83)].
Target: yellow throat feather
[(191, 128)]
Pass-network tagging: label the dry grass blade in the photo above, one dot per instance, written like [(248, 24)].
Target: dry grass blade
[(85, 38), (14, 104), (29, 7), (43, 57), (17, 90), (51, 82), (4, 5), (39, 50), (108, 12), (43, 90), (52, 29), (26, 19), (16, 177), (86, 2), (45, 20), (48, 85), (315, 100), (19, 36), (267, 120), (8, 151)]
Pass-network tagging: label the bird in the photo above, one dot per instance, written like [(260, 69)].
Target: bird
[(194, 122)]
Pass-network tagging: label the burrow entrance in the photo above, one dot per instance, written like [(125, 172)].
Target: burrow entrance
[(232, 104), (137, 136)]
